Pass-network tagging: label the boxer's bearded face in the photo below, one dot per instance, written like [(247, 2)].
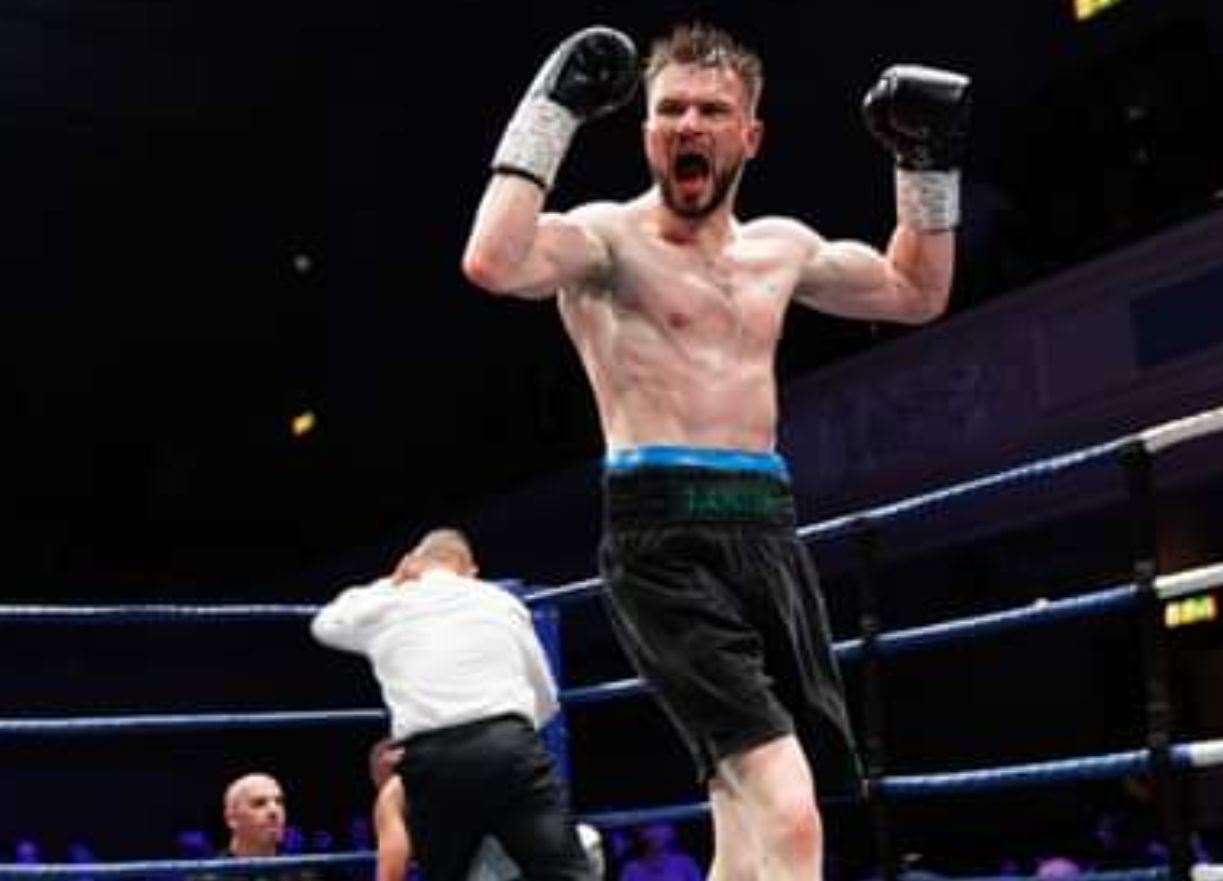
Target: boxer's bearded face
[(699, 132)]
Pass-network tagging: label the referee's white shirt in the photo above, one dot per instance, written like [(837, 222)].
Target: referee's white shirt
[(446, 649)]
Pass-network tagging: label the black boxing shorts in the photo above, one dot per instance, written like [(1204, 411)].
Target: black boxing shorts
[(717, 604)]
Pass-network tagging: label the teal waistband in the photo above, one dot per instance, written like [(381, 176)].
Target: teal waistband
[(713, 458)]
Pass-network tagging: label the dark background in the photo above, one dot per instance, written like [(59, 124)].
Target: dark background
[(165, 166)]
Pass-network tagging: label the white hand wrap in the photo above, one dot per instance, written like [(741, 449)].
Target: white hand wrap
[(928, 201), (536, 140)]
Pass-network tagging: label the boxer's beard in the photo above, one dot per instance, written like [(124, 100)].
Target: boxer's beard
[(720, 189)]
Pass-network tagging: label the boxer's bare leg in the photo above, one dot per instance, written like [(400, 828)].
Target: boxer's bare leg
[(769, 790)]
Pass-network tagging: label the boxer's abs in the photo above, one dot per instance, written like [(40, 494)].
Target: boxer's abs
[(666, 391), (680, 349)]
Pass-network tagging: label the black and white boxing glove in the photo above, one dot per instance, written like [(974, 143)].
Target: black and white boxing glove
[(590, 74), (921, 115)]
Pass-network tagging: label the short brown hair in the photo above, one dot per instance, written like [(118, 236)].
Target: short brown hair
[(707, 46)]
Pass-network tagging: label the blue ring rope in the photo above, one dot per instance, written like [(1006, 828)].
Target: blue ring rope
[(159, 613), (153, 723), (223, 866), (896, 642), (1150, 873), (1039, 468), (897, 787), (164, 613), (121, 614), (240, 865), (926, 636), (1109, 766)]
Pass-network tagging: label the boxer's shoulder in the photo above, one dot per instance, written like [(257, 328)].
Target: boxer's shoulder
[(604, 216), (775, 236), (777, 227)]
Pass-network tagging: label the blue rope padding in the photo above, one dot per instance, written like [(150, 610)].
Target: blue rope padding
[(127, 614), (1113, 599), (1152, 873), (564, 593), (171, 613), (895, 642), (226, 866), (604, 691), (843, 523), (191, 721), (163, 613), (1039, 468), (614, 819), (1103, 767)]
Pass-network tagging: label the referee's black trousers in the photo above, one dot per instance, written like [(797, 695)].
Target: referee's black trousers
[(490, 777)]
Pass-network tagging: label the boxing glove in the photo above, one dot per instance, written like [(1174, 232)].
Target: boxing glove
[(590, 74), (921, 115)]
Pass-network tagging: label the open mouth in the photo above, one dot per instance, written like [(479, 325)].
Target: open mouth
[(691, 167)]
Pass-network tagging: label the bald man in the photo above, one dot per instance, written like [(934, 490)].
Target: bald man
[(468, 688), (255, 815)]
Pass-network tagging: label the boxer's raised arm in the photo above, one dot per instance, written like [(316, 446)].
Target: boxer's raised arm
[(513, 248)]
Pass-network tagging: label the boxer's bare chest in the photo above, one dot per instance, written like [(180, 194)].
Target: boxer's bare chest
[(735, 295)]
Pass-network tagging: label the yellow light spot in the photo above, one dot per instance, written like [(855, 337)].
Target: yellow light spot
[(303, 423), (1192, 610), (1085, 9)]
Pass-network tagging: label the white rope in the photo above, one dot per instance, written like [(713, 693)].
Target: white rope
[(1160, 437), (1206, 753), (1190, 581)]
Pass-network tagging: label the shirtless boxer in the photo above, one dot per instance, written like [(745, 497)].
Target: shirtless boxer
[(675, 307)]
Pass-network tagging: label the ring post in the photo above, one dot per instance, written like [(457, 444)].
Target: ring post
[(866, 539), (1136, 465), (547, 619)]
